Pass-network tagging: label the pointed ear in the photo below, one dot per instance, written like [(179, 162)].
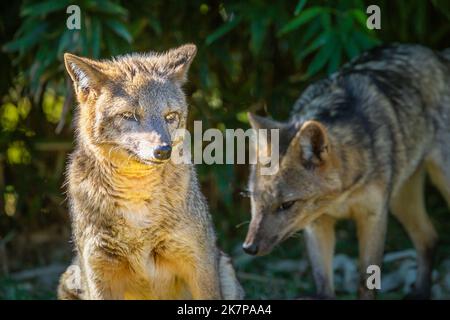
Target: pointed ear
[(258, 122), (312, 142), (85, 73), (179, 60)]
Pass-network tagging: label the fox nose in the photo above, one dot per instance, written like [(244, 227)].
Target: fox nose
[(162, 152), (250, 248)]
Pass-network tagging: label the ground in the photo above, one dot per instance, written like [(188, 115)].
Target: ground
[(284, 274)]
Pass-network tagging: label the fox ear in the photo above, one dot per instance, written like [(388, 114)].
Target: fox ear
[(312, 142), (179, 60), (84, 72), (258, 122)]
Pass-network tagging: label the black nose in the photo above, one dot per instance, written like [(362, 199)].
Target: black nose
[(250, 248), (162, 152)]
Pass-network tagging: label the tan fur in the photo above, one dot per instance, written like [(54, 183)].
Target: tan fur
[(408, 206), (140, 225), (320, 235), (356, 145)]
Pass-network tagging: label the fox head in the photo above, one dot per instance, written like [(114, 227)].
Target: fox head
[(131, 106), (306, 183)]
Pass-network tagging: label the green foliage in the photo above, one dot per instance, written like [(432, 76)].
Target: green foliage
[(43, 34), (253, 55)]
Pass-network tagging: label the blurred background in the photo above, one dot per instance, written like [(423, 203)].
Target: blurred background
[(253, 55)]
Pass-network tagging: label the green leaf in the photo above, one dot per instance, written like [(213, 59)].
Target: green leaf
[(27, 26), (326, 20), (311, 30), (365, 41), (351, 48), (258, 33), (335, 59), (46, 55), (317, 43), (242, 117), (345, 24), (84, 37), (322, 56), (44, 8), (109, 7), (64, 41), (28, 40), (156, 26), (96, 37), (359, 16), (222, 30), (111, 44), (137, 27), (224, 178), (299, 7), (301, 19), (120, 29)]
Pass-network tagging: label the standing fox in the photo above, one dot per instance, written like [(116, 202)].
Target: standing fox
[(140, 223), (357, 145)]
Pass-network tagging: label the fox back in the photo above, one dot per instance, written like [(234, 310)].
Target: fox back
[(374, 120)]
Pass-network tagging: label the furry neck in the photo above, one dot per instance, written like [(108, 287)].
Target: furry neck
[(124, 178), (347, 159)]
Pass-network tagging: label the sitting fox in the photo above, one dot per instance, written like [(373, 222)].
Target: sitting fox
[(358, 144), (140, 223)]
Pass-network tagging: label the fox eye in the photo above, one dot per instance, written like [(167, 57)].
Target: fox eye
[(171, 117), (129, 116), (285, 206)]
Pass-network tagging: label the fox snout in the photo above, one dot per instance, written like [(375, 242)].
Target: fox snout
[(263, 234), (250, 248), (153, 146), (254, 243), (162, 152), (259, 245)]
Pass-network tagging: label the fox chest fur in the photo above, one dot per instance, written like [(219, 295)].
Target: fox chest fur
[(140, 222), (133, 228)]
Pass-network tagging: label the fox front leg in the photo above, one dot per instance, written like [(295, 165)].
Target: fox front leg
[(320, 242), (101, 276), (371, 226), (204, 279), (206, 286)]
